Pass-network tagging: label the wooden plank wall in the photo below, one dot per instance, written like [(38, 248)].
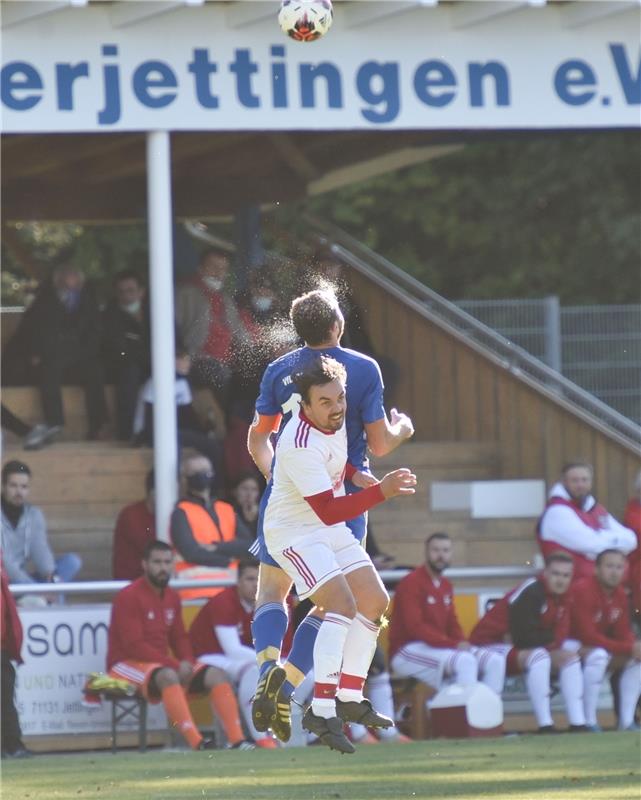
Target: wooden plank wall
[(455, 394)]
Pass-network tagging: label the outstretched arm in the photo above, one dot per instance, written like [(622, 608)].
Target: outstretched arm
[(385, 435)]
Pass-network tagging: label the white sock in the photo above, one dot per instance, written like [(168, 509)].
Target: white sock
[(357, 657), (629, 691), (379, 691), (462, 665), (328, 657), (571, 681), (491, 668), (537, 680), (594, 667), (247, 681)]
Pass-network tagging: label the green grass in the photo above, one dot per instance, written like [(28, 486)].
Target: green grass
[(572, 767)]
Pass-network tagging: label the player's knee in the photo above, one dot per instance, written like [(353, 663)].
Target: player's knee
[(466, 661), (214, 676), (374, 604), (166, 677), (598, 656)]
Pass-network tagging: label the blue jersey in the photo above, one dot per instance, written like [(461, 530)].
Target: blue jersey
[(364, 393)]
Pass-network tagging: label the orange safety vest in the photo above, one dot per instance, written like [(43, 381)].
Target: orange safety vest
[(205, 531)]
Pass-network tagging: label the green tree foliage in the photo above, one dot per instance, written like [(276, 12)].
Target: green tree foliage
[(519, 217)]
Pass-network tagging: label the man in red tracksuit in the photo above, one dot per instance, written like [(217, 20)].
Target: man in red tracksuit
[(601, 623), (426, 640), (149, 648), (528, 627), (12, 744)]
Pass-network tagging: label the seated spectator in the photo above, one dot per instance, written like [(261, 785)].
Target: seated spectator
[(26, 554), (575, 523), (601, 624), (11, 734), (632, 519), (149, 648), (426, 641), (191, 433), (529, 628), (125, 347), (221, 636), (208, 322), (61, 332), (206, 533), (135, 528), (246, 495)]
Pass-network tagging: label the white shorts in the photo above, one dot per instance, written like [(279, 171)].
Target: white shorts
[(313, 559), (234, 667)]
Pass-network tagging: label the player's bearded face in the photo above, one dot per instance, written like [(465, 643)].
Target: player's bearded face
[(326, 407), (158, 568), (439, 555)]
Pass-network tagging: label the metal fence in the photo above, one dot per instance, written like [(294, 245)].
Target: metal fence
[(596, 347)]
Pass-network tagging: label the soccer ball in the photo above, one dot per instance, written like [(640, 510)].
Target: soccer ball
[(305, 20)]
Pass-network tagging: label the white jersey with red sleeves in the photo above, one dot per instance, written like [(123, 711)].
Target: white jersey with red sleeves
[(307, 461)]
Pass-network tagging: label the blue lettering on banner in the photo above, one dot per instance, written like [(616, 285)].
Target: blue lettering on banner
[(62, 639), (380, 85)]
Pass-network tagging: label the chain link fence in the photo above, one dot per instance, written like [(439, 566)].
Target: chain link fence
[(596, 347)]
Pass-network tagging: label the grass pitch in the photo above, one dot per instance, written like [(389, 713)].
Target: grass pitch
[(572, 767)]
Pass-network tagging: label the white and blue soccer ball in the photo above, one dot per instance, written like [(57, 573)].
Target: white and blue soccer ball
[(305, 20)]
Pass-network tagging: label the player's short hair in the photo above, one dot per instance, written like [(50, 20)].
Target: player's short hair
[(558, 556), (156, 546), (313, 315), (14, 468), (247, 562), (609, 552), (320, 371), (437, 535), (574, 464)]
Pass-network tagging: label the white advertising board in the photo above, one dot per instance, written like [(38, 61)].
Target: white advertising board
[(80, 69), (62, 644)]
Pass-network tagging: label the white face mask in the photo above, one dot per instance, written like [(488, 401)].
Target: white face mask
[(132, 308), (215, 284), (262, 303)]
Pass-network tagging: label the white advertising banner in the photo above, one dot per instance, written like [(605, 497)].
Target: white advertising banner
[(200, 68), (61, 646)]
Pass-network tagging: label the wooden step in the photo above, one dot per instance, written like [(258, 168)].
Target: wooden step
[(25, 403), (449, 455)]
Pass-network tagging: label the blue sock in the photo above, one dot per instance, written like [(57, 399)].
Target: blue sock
[(268, 631), (301, 656)]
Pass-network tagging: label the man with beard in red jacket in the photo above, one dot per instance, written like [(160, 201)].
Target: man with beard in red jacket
[(601, 623)]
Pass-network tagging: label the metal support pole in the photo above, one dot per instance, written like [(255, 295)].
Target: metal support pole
[(552, 315), (160, 225)]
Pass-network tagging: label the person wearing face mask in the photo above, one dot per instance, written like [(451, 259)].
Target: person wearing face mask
[(125, 347), (207, 534), (209, 324), (60, 333)]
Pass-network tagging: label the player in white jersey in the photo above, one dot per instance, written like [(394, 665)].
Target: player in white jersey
[(306, 534)]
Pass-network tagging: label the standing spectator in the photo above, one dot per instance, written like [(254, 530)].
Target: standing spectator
[(125, 347), (601, 623), (135, 528), (221, 636), (245, 498), (63, 341), (149, 648), (190, 431), (208, 322), (632, 519), (575, 523), (528, 627), (26, 553), (206, 532), (426, 640), (12, 744)]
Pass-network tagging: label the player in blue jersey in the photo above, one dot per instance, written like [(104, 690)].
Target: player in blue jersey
[(318, 321)]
